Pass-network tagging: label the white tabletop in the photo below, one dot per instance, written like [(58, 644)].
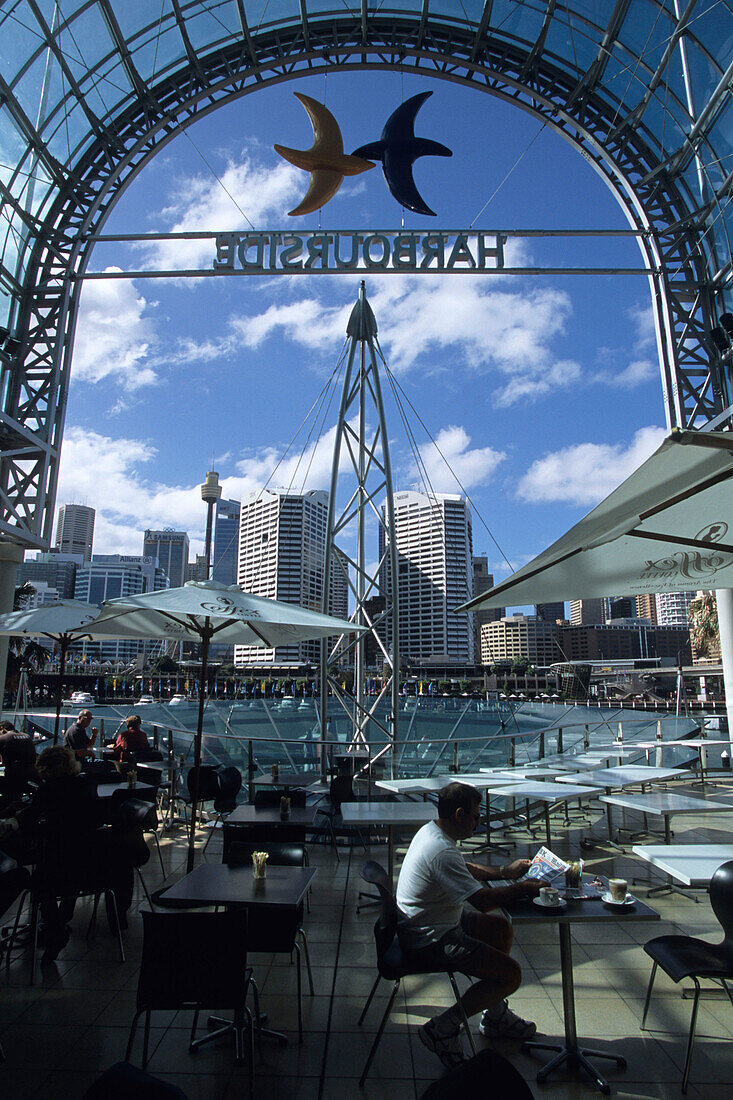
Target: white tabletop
[(437, 782), (625, 775), (388, 813), (692, 743), (690, 864), (543, 792), (664, 802)]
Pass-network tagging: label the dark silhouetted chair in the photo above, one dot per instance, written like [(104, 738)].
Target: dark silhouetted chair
[(196, 961), (487, 1073), (15, 885), (146, 821), (393, 963), (208, 788), (123, 1081), (340, 790), (230, 784), (277, 930), (688, 957)]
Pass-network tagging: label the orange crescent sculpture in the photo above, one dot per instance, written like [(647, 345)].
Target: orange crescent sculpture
[(325, 160)]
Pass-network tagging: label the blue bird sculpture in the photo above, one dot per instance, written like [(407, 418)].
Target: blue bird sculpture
[(398, 150)]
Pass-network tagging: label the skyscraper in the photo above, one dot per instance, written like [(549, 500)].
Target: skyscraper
[(646, 607), (109, 576), (587, 612), (282, 544), (226, 541), (482, 582), (672, 608), (75, 530), (171, 549), (550, 612), (435, 575)]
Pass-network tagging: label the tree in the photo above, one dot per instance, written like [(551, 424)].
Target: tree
[(163, 665), (704, 629), (520, 664)]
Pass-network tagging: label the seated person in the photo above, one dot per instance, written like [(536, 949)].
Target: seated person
[(78, 740), (18, 754), (434, 883), (130, 739), (61, 833)]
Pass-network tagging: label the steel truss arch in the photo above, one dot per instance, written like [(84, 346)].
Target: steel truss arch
[(688, 278)]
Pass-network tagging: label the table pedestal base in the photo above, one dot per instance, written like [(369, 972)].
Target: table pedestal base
[(576, 1059), (221, 1026)]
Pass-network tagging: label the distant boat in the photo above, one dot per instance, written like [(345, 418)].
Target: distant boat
[(80, 699), (145, 700), (178, 701)]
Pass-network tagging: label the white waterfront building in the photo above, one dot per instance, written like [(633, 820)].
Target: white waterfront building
[(434, 543), (282, 546), (673, 607)]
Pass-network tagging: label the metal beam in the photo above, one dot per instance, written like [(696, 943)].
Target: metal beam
[(598, 65)]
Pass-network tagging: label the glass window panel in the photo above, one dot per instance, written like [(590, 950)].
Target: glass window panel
[(66, 131), (153, 53), (264, 12), (104, 91), (12, 143), (645, 28), (204, 31), (721, 133), (20, 37), (28, 90), (572, 42), (135, 14), (703, 74), (519, 20), (86, 40)]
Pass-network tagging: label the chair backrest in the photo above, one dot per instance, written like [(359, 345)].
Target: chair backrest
[(230, 784), (143, 755), (193, 959), (280, 852), (721, 898), (13, 881), (385, 928), (341, 790), (154, 776), (208, 783), (266, 797)]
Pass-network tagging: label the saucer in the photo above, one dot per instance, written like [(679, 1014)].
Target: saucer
[(608, 900), (561, 903)]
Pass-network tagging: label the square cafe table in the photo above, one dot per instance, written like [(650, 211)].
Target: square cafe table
[(590, 911), (697, 743), (389, 814), (690, 864), (222, 884), (547, 793), (247, 814), (662, 804), (286, 780)]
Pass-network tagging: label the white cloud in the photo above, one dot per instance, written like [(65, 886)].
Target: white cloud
[(471, 467), (246, 191), (114, 335), (460, 320), (637, 372), (586, 472)]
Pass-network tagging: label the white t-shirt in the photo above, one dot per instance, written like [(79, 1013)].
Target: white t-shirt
[(433, 884)]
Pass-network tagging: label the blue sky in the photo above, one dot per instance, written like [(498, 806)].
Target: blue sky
[(544, 391)]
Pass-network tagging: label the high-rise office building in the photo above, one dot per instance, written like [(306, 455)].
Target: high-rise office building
[(587, 612), (620, 607), (646, 607), (482, 582), (75, 530), (226, 541), (550, 612), (56, 570), (196, 569), (433, 540), (171, 548), (109, 576), (672, 608), (282, 547), (520, 636)]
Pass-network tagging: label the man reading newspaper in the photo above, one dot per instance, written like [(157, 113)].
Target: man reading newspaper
[(434, 883)]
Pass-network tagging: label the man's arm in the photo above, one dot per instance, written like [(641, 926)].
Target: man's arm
[(495, 897), (514, 870)]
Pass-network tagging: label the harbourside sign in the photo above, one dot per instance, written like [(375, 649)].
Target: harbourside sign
[(347, 250)]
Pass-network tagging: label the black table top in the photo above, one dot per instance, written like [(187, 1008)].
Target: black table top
[(589, 910), (286, 779), (222, 884), (106, 790), (247, 814)]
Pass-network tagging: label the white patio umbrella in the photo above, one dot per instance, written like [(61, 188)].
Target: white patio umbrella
[(202, 611), (64, 622), (667, 528)]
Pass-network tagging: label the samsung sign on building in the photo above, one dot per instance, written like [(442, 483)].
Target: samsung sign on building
[(344, 250)]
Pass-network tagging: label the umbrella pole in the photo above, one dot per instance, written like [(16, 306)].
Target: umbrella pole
[(64, 643), (205, 641)]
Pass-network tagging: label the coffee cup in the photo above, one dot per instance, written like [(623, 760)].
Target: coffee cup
[(617, 888), (549, 895)]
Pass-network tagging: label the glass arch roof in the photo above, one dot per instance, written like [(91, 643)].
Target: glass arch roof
[(70, 69), (89, 89)]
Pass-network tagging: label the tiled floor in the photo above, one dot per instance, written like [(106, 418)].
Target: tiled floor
[(61, 1032)]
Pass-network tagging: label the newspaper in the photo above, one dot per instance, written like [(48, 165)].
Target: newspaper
[(548, 867)]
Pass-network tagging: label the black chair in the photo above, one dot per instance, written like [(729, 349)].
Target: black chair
[(208, 787), (393, 963), (146, 820), (230, 784), (340, 790), (145, 756), (15, 884), (487, 1072), (123, 1081), (195, 961), (688, 957), (278, 930)]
